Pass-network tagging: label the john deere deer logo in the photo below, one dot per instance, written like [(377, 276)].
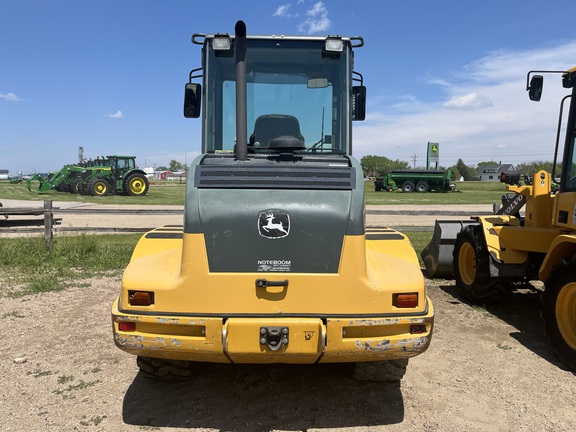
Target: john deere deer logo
[(273, 224)]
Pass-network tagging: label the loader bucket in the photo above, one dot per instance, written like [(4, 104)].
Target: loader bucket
[(437, 256), (43, 186)]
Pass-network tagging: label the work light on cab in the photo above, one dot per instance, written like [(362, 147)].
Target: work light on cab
[(334, 44), (221, 43)]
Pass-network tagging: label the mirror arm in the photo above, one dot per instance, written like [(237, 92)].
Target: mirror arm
[(191, 75)]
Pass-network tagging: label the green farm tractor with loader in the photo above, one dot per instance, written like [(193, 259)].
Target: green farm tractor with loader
[(98, 177)]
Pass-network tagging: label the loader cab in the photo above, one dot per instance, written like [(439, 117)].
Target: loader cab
[(121, 164), (535, 87), (569, 160), (569, 168), (568, 180), (565, 199), (299, 94)]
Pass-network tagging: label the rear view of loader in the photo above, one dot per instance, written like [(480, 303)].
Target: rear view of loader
[(490, 253), (273, 262)]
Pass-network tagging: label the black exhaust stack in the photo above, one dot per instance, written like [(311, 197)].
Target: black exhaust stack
[(241, 118)]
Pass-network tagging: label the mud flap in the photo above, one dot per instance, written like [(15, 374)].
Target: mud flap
[(437, 256), (267, 340)]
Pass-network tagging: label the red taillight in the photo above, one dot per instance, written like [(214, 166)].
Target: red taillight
[(409, 300), (140, 298), (127, 326), (417, 329)]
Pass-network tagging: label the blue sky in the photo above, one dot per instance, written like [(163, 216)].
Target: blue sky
[(109, 75)]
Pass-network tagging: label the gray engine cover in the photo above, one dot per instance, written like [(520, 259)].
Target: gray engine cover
[(252, 229)]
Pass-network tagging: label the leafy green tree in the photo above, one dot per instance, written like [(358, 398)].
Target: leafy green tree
[(376, 165), (176, 166), (531, 168), (455, 173), (162, 168), (465, 171)]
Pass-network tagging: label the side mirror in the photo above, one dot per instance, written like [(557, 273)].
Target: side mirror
[(192, 100), (358, 103), (535, 89)]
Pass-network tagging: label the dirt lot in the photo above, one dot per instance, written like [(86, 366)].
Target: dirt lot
[(486, 370)]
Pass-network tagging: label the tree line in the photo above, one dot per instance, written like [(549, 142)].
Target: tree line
[(174, 166), (373, 166)]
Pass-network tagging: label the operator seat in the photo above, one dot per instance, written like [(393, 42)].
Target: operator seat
[(270, 126)]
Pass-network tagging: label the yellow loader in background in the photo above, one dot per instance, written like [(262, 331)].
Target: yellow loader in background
[(487, 254)]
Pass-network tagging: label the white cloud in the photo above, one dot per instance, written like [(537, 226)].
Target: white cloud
[(117, 114), (485, 114), (283, 11), (317, 20), (11, 97), (470, 100)]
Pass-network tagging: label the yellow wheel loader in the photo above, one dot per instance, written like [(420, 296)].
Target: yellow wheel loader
[(487, 254), (273, 262)]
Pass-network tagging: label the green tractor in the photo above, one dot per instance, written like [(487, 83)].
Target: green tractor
[(112, 174), (98, 177)]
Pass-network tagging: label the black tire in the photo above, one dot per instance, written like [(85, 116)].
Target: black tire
[(99, 187), (136, 185), (389, 188), (165, 370), (422, 186), (77, 186), (471, 266), (408, 186), (559, 312), (386, 370)]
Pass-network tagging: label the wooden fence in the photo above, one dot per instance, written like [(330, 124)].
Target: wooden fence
[(31, 216)]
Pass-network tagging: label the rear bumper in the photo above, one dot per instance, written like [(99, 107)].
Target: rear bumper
[(244, 339)]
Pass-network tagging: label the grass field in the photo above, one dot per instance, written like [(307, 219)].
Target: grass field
[(160, 193), (27, 267), (172, 193)]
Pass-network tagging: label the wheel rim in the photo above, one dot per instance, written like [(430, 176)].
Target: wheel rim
[(137, 186), (467, 263), (100, 188), (566, 313)]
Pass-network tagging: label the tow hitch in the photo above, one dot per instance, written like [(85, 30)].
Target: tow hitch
[(274, 338)]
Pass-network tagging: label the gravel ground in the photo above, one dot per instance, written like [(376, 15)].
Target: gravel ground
[(486, 370)]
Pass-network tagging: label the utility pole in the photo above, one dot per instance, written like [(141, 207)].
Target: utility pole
[(414, 159)]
